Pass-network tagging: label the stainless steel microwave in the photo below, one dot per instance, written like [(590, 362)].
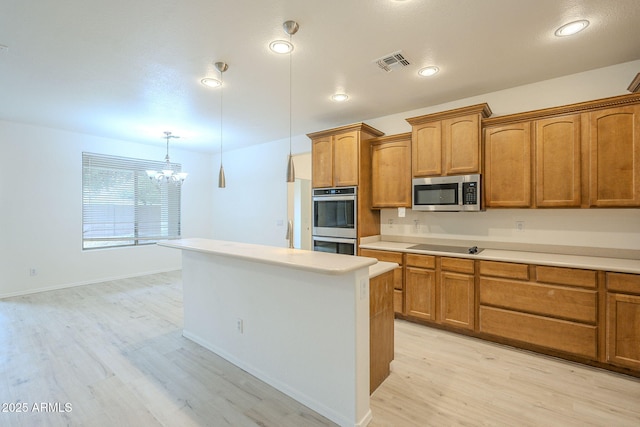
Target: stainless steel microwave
[(447, 193)]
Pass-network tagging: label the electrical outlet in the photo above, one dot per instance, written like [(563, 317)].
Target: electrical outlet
[(520, 226), (364, 285), (416, 224), (240, 325), (390, 223), (33, 272)]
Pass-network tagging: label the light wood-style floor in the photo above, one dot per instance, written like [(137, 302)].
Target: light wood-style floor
[(115, 353)]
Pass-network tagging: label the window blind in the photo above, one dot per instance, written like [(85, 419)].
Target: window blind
[(121, 206)]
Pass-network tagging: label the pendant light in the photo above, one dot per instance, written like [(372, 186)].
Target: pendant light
[(221, 67), (290, 27)]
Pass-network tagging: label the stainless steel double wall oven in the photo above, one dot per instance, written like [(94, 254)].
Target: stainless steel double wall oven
[(335, 220)]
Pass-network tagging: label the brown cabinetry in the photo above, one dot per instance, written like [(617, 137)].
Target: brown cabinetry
[(569, 312), (398, 274), (578, 155), (532, 311), (614, 142), (558, 161), (335, 160), (623, 320), (381, 333), (457, 296), (420, 286), (322, 155), (557, 167), (391, 171), (441, 290), (507, 179), (448, 143), (340, 156)]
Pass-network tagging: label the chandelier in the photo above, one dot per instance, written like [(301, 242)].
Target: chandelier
[(167, 174)]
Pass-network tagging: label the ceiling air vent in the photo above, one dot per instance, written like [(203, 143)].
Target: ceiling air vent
[(391, 61)]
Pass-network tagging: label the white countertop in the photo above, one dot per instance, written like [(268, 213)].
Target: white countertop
[(381, 267), (558, 260), (319, 262)]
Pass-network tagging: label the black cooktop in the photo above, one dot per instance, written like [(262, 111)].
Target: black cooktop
[(443, 248)]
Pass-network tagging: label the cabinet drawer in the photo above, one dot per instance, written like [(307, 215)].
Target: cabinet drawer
[(423, 261), (459, 265), (386, 256), (623, 282), (565, 303), (504, 269), (566, 276), (562, 335)]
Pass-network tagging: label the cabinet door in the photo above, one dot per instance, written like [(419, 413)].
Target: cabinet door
[(461, 141), (457, 300), (420, 294), (623, 330), (508, 166), (426, 142), (391, 174), (322, 168), (615, 157), (345, 159), (558, 162)]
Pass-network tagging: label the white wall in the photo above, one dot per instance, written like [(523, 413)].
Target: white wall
[(254, 204), (597, 228), (41, 210)]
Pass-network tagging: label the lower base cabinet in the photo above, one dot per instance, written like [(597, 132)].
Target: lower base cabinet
[(550, 307), (623, 320), (381, 335), (582, 315), (457, 293), (420, 291), (569, 337)]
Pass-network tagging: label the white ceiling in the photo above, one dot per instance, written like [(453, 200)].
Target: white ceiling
[(131, 69)]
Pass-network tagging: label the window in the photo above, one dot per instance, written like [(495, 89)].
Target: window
[(121, 206)]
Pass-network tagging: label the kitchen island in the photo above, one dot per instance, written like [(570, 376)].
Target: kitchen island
[(298, 320)]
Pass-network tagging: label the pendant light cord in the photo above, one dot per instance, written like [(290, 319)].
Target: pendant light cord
[(290, 95), (221, 91)]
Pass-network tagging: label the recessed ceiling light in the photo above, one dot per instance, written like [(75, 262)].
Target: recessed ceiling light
[(339, 97), (281, 46), (428, 71), (209, 82), (572, 28)]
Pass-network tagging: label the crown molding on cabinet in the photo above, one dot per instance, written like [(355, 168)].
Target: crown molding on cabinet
[(581, 107), (362, 127), (635, 84)]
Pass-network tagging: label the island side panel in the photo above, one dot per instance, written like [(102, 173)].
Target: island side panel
[(304, 333)]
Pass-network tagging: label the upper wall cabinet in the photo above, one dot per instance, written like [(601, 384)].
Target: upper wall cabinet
[(448, 143), (337, 155), (391, 171), (578, 155), (507, 178), (614, 142), (558, 161), (549, 147)]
